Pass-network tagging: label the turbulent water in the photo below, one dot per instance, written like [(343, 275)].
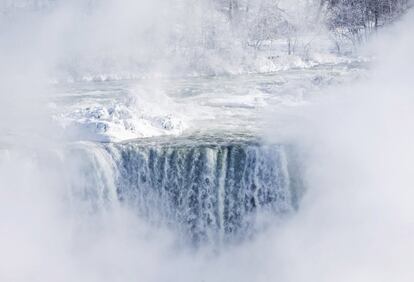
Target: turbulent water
[(207, 189), (185, 153), (201, 170), (117, 110)]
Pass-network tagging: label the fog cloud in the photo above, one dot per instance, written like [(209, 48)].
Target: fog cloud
[(355, 222)]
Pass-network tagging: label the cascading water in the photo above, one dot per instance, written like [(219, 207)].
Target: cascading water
[(208, 191), (94, 188)]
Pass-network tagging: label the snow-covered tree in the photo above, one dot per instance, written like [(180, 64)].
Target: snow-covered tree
[(355, 19)]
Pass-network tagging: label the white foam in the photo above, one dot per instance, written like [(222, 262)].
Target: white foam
[(118, 120)]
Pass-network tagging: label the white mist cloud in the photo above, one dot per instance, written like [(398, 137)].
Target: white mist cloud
[(354, 224), (356, 220)]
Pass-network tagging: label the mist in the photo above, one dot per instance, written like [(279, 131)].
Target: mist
[(355, 221)]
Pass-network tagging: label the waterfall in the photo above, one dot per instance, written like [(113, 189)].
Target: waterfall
[(206, 191)]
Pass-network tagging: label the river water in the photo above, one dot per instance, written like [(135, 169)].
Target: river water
[(189, 154)]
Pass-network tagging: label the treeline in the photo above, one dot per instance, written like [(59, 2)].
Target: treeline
[(347, 20), (231, 27), (364, 13), (356, 19)]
